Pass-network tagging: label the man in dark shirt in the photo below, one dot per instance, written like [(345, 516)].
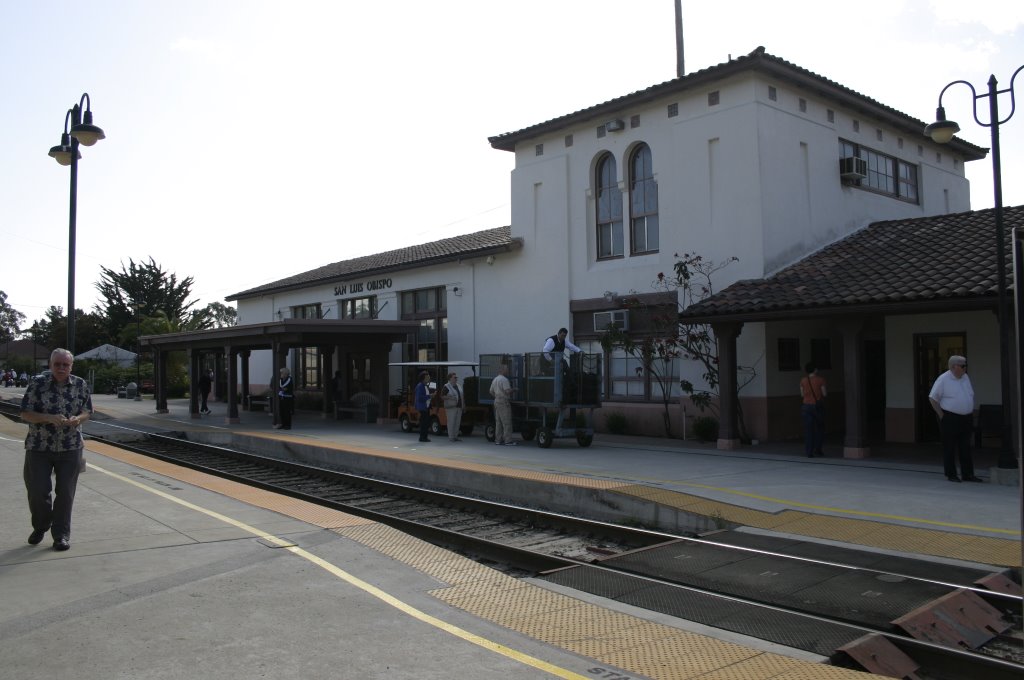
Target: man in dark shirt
[(205, 385), (54, 406)]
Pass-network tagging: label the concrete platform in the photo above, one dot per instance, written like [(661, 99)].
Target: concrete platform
[(173, 573)]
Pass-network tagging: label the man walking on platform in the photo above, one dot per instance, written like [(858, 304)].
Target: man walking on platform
[(54, 406)]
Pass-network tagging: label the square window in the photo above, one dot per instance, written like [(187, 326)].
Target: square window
[(539, 150), (634, 121), (773, 94), (803, 105), (789, 354), (856, 126), (601, 131), (821, 353), (568, 140), (830, 115), (713, 98), (673, 110)]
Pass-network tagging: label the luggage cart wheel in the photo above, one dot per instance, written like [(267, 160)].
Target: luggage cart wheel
[(544, 437), (405, 424), (489, 432), (528, 433), (584, 440)]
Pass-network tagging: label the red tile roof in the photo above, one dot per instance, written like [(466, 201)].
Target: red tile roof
[(936, 263), (758, 60), (476, 244)]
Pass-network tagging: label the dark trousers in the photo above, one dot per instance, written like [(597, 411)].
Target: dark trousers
[(813, 416), (956, 432), (424, 425), (287, 406), (202, 406), (55, 515)]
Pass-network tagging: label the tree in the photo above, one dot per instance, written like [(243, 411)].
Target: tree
[(220, 315), (10, 320), (142, 289), (665, 340), (51, 330)]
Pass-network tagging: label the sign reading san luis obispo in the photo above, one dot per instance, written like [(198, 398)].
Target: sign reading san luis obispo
[(362, 286)]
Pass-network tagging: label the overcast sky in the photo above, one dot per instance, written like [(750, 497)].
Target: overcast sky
[(249, 141)]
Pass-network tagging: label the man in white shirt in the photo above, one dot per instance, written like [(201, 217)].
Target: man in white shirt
[(952, 397), (558, 343)]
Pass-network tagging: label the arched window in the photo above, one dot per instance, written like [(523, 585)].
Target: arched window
[(609, 210), (643, 205)]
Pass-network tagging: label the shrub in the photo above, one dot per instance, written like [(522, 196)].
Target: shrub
[(705, 428), (616, 423)]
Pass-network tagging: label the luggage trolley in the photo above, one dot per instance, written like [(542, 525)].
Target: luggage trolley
[(553, 396)]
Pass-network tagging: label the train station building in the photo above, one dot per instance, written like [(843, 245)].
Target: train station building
[(848, 234)]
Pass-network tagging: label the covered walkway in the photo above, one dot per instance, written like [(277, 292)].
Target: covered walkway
[(373, 338)]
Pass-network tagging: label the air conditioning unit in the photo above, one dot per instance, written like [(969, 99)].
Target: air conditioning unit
[(620, 317), (614, 125), (853, 168)]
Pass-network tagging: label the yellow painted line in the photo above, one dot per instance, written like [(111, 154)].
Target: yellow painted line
[(372, 590), (844, 511)]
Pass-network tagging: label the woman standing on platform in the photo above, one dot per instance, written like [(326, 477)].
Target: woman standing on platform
[(812, 411)]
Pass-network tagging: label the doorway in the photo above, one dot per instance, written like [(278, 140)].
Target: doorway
[(359, 373), (931, 358)]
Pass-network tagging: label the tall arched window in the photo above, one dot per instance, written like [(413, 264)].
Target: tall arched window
[(609, 210), (643, 204)]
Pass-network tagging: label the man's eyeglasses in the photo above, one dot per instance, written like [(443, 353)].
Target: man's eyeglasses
[(963, 366)]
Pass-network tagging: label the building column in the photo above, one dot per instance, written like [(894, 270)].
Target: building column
[(855, 443), (232, 354), (326, 355), (245, 354), (160, 377), (193, 382), (726, 334)]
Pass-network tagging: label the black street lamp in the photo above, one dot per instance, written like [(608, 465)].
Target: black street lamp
[(76, 131), (941, 131), (138, 351)]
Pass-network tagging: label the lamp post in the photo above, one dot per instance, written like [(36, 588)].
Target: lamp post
[(941, 131), (138, 351), (76, 131)]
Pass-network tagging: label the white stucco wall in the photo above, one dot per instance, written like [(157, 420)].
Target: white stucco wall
[(982, 332)]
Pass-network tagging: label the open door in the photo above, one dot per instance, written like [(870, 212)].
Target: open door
[(931, 357)]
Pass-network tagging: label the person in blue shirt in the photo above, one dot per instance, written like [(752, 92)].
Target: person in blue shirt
[(422, 404)]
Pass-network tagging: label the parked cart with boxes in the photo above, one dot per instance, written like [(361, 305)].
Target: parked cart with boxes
[(553, 396)]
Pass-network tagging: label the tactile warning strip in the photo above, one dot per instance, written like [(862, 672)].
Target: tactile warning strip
[(655, 650), (983, 549)]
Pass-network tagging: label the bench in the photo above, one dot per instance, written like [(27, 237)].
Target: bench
[(259, 403), (362, 404)]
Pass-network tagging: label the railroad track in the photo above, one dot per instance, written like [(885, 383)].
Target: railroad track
[(609, 559), (636, 566)]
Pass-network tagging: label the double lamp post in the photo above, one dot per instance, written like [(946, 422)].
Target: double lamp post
[(77, 131), (942, 131)]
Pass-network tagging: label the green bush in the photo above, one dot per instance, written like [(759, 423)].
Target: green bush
[(616, 423), (705, 428)]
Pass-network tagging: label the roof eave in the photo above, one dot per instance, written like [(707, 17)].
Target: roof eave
[(855, 309), (513, 244), (756, 61)]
